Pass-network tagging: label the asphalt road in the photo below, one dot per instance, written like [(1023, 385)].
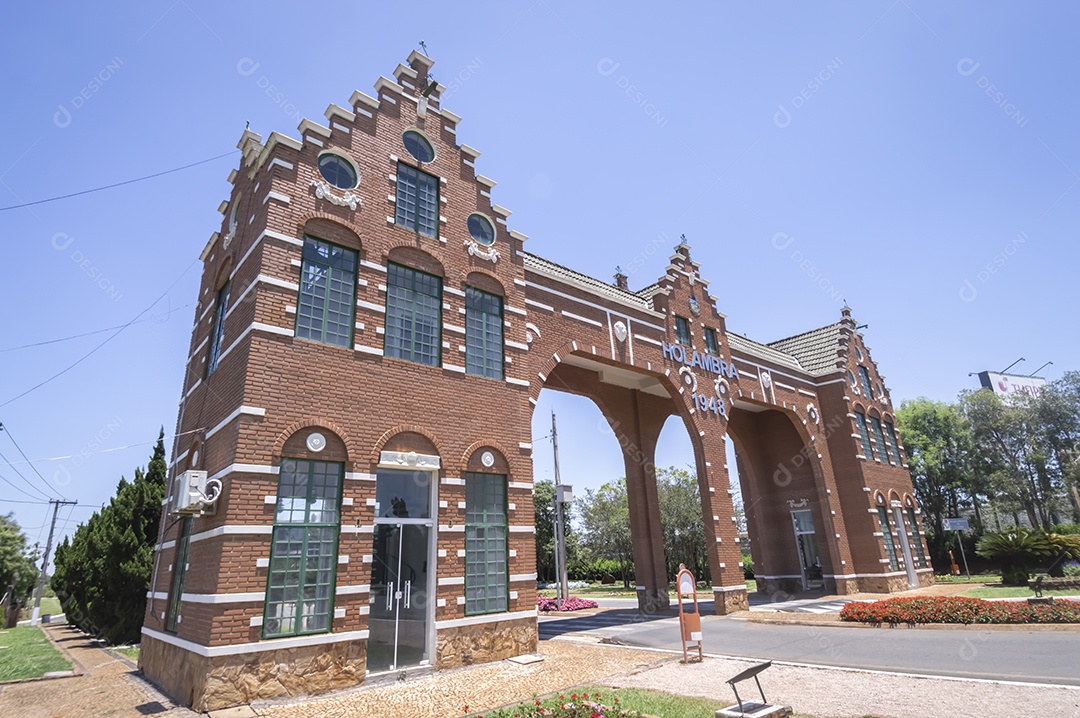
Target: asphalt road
[(1048, 656)]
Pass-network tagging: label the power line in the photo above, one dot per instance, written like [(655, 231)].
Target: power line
[(117, 184), (86, 356), (103, 451), (17, 501), (7, 431), (47, 496), (21, 491), (87, 334)]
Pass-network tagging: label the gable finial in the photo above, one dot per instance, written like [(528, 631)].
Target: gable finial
[(423, 46)]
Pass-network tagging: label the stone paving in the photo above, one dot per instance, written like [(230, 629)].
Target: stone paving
[(107, 687)]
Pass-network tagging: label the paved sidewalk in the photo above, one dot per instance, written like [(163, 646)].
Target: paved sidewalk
[(107, 687), (845, 692)]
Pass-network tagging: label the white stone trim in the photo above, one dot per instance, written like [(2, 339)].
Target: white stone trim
[(489, 618), (521, 577), (724, 589), (223, 597), (273, 644), (232, 530), (351, 590), (248, 410)]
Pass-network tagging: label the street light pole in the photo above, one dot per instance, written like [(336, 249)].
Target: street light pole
[(562, 592)]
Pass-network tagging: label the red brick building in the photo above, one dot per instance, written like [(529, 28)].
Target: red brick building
[(369, 344)]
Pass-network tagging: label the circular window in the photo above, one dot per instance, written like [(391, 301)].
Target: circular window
[(418, 146), (481, 229), (337, 171)]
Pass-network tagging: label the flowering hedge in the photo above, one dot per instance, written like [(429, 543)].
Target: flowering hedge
[(566, 706), (573, 603), (959, 609)]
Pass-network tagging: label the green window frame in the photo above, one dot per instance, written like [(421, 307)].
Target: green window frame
[(890, 547), (916, 538), (895, 447), (879, 437), (413, 315), (864, 374), (303, 549), (483, 333), (487, 571), (860, 420), (217, 334), (712, 346), (682, 331), (417, 201), (175, 606), (326, 307), (890, 445)]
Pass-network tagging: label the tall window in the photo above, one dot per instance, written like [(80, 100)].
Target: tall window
[(890, 547), (682, 331), (172, 611), (865, 376), (895, 443), (868, 450), (327, 293), (890, 447), (217, 334), (483, 333), (879, 437), (916, 538), (413, 315), (303, 555), (417, 201), (486, 568), (711, 345)]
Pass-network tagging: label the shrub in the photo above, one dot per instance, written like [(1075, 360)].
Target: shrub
[(959, 609), (573, 603), (747, 568), (1016, 551), (1071, 569), (1072, 529)]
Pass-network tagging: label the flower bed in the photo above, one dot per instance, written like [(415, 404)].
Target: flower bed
[(573, 603), (958, 609), (567, 706)]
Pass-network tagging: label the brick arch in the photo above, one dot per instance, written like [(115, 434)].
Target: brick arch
[(329, 228), (893, 496), (909, 497), (404, 429), (224, 273), (879, 499), (874, 413), (485, 444), (404, 251), (315, 423), (484, 280)]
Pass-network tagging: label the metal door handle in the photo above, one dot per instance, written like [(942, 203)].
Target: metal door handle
[(408, 592), (389, 595)]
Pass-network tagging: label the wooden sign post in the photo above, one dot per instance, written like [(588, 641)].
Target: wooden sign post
[(689, 621)]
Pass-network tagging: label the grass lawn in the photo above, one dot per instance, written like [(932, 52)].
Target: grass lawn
[(131, 652), (25, 652), (633, 699), (1015, 592), (973, 578), (49, 604)]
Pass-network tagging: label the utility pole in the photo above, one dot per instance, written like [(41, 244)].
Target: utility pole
[(563, 591), (35, 618)]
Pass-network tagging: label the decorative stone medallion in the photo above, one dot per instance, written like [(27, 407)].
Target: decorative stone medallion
[(695, 308), (489, 253), (316, 442), (487, 459), (688, 378), (324, 191), (620, 331), (812, 412)]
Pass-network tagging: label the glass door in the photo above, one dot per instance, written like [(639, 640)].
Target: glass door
[(400, 615), (905, 547), (806, 544)]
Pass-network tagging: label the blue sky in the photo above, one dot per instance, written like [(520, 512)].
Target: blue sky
[(919, 161)]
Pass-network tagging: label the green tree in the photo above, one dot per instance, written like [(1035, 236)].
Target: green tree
[(605, 527), (544, 515), (681, 522), (17, 569), (941, 458), (103, 573)]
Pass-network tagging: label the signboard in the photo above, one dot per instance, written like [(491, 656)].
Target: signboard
[(1008, 385), (955, 524)]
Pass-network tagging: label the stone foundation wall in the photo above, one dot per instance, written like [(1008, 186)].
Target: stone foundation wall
[(884, 584), (730, 602), (1057, 584), (483, 642), (771, 586), (208, 684)]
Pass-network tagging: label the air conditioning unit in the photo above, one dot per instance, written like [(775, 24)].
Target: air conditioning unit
[(189, 492)]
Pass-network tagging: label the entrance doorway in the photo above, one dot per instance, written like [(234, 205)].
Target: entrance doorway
[(806, 545), (905, 545), (401, 615)]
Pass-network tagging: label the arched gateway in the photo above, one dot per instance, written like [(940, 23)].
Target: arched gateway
[(369, 345)]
